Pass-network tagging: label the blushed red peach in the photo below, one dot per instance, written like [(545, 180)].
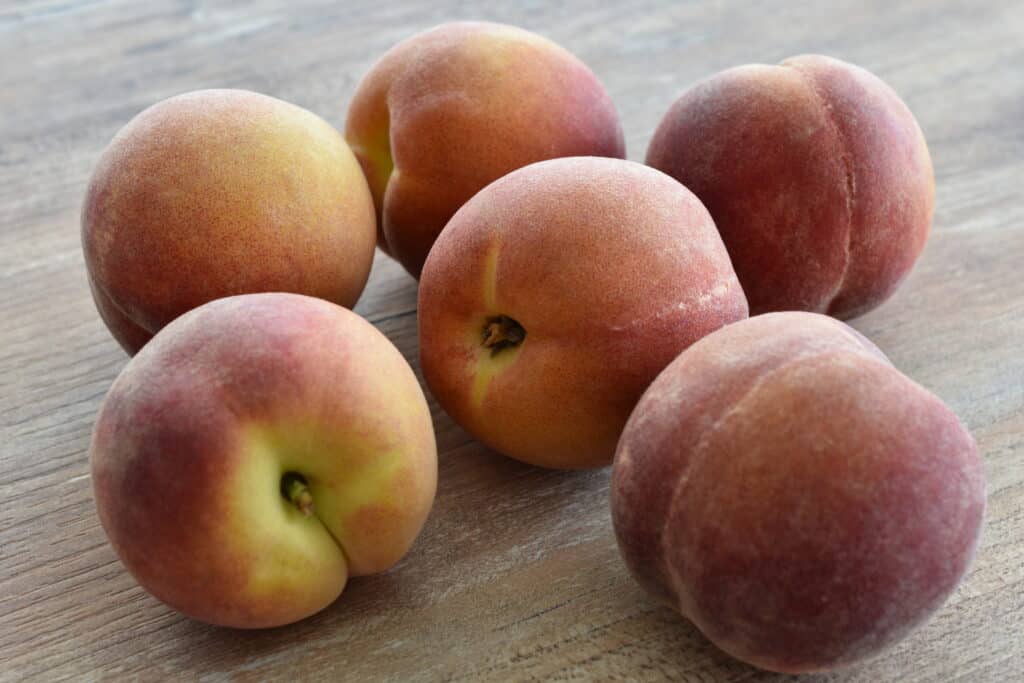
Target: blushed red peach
[(257, 452), (444, 113), (817, 175), (556, 295), (794, 495), (222, 192)]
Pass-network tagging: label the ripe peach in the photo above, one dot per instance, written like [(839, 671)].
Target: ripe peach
[(795, 496), (816, 174), (557, 294), (444, 113), (256, 453), (222, 192)]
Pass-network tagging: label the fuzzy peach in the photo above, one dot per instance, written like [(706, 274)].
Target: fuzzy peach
[(444, 113), (222, 192), (794, 495), (817, 176), (257, 452), (557, 294)]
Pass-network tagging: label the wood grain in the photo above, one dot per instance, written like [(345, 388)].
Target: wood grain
[(516, 576)]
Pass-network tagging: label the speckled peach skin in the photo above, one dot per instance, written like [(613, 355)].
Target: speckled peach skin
[(611, 268), (816, 174), (194, 436), (794, 495), (222, 192), (444, 113)]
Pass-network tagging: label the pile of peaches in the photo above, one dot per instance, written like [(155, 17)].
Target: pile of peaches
[(775, 478)]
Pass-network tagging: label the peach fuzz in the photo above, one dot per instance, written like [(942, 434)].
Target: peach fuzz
[(449, 110), (816, 174), (556, 295), (221, 192), (796, 497), (257, 452)]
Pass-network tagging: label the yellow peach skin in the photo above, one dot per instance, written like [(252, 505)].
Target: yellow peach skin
[(447, 111), (259, 451), (222, 192)]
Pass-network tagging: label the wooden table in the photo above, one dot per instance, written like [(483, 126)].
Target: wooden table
[(516, 575)]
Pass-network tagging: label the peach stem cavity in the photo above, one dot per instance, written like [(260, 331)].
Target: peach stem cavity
[(502, 332), (295, 490)]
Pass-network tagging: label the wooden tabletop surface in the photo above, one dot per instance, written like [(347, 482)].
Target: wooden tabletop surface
[(516, 575)]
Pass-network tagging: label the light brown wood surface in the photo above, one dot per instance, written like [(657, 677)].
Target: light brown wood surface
[(516, 575)]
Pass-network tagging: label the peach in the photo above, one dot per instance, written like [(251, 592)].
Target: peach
[(556, 295), (222, 192), (257, 452), (816, 174), (795, 496), (444, 113)]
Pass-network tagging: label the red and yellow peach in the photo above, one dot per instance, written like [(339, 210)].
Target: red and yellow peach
[(452, 109), (556, 295), (257, 452), (795, 496), (222, 192), (816, 174)]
